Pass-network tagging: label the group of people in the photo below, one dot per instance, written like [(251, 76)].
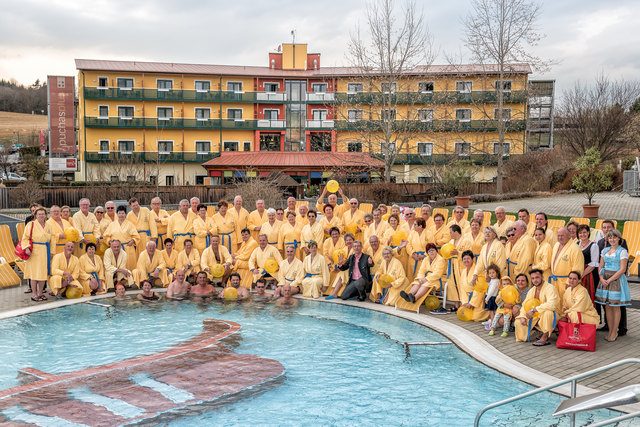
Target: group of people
[(395, 256)]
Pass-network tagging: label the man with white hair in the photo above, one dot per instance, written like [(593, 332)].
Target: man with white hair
[(257, 218), (460, 220), (161, 218), (410, 217), (86, 224), (194, 202), (353, 219), (241, 218), (332, 200), (502, 222), (520, 255), (291, 207), (479, 215), (151, 267), (180, 226), (425, 213)]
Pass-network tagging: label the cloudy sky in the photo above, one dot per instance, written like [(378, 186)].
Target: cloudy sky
[(41, 37)]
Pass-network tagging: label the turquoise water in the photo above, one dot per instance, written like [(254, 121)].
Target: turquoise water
[(343, 365)]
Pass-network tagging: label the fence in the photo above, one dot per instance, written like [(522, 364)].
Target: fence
[(390, 192)]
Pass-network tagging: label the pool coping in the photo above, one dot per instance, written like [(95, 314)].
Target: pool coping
[(467, 341)]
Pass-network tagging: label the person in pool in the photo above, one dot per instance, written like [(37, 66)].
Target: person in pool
[(202, 288), (179, 288), (261, 287), (121, 292), (286, 299), (234, 281), (147, 294)]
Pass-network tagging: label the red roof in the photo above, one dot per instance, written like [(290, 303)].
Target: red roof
[(277, 159)]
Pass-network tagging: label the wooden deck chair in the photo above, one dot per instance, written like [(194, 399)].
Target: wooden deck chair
[(600, 221), (556, 224), (510, 218), (8, 277), (211, 210), (7, 249), (20, 229), (171, 212), (404, 305), (366, 207), (532, 218), (631, 233), (443, 211), (581, 220), (487, 219)]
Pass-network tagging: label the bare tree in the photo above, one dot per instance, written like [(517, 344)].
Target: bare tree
[(599, 116), (388, 62), (500, 31)]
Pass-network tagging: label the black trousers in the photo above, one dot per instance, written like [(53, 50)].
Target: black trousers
[(355, 288)]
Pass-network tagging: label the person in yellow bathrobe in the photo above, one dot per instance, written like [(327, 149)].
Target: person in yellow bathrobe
[(145, 226), (289, 235), (393, 267), (502, 223), (125, 232), (260, 255), (329, 220), (543, 222), (161, 218), (543, 317), (469, 296), (188, 261), (58, 226), (87, 225), (241, 219), (542, 256), (459, 219), (271, 228), (65, 271), (476, 235), (374, 250), (311, 232), (378, 227), (353, 220), (180, 225), (216, 253), (91, 272), (333, 243), (339, 280), (576, 300), (290, 272), (521, 254), (316, 272), (151, 267), (38, 267), (565, 258), (115, 266), (454, 266), (256, 219), (203, 227), (170, 258), (431, 276), (240, 259), (226, 226), (416, 242), (493, 252), (441, 231)]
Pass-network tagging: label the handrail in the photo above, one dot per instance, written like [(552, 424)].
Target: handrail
[(573, 380)]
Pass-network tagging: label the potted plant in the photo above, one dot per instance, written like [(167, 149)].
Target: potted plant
[(455, 181), (591, 177)]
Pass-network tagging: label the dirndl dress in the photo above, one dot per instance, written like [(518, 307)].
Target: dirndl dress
[(617, 293)]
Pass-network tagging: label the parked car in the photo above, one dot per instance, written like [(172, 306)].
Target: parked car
[(12, 177)]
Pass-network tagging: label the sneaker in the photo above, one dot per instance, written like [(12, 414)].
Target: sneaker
[(487, 322), (487, 327), (440, 310), (504, 334), (492, 333)]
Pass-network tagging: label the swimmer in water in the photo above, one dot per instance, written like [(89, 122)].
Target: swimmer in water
[(179, 288), (286, 300), (147, 294), (261, 287), (234, 281), (121, 292), (202, 288)]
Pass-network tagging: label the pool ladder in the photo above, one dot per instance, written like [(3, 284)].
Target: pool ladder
[(606, 399)]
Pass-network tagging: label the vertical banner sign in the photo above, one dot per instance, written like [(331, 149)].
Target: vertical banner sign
[(61, 115)]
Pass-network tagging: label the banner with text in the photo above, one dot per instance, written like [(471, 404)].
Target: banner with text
[(61, 115)]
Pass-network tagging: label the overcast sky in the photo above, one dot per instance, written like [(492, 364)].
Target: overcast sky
[(41, 37)]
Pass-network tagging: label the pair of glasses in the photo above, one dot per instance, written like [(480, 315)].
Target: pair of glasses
[(110, 208), (408, 214), (99, 212), (510, 235)]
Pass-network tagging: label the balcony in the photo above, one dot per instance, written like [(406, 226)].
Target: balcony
[(149, 157), (320, 124), (271, 124), (320, 97), (183, 95), (438, 97), (430, 126), (271, 97), (480, 159)]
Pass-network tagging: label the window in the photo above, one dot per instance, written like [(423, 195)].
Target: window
[(506, 114), (124, 83), (203, 86), (164, 85), (463, 114), (425, 180), (271, 114), (231, 146), (319, 87), (114, 178), (354, 87), (234, 86), (131, 178), (165, 147), (464, 87), (506, 85), (104, 146), (165, 113), (506, 146), (271, 87), (320, 141), (425, 87), (125, 113), (270, 142), (203, 114), (200, 179), (126, 147), (354, 147), (103, 111), (354, 115), (203, 147), (103, 82), (389, 87), (246, 146), (387, 147), (234, 113), (463, 148), (425, 115), (319, 114), (168, 180), (388, 114), (153, 179), (425, 148)]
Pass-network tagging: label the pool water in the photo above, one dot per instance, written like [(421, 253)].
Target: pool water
[(343, 365)]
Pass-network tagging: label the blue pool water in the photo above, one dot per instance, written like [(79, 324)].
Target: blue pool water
[(343, 365)]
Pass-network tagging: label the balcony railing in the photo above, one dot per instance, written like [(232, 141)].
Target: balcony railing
[(433, 125), (183, 95), (320, 124), (149, 157), (439, 97), (480, 159), (153, 123)]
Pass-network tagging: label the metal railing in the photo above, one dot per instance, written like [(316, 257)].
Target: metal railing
[(574, 383)]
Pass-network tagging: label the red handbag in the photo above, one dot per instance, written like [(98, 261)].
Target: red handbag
[(576, 336), (20, 251)]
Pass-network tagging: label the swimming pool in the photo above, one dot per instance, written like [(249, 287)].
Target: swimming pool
[(343, 365)]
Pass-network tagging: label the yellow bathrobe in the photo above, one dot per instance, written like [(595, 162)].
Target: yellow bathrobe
[(170, 262), (309, 233), (145, 226), (86, 225), (180, 228), (501, 229), (290, 236), (209, 259), (338, 209), (468, 295), (124, 232), (454, 267), (521, 256), (104, 223), (226, 227), (395, 269), (241, 265), (184, 259), (441, 236), (577, 300), (271, 231), (258, 258), (201, 227), (341, 276), (335, 222), (398, 252), (377, 259), (547, 320), (494, 255), (374, 229), (569, 259), (291, 273), (416, 245), (256, 220), (59, 265), (328, 248), (542, 259), (56, 230), (161, 226), (476, 243), (463, 223), (91, 269), (242, 221), (147, 265), (356, 218), (111, 264), (316, 276)]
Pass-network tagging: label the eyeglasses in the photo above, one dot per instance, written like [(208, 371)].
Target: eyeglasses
[(510, 235), (353, 203), (260, 287), (100, 212), (110, 208), (408, 214)]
